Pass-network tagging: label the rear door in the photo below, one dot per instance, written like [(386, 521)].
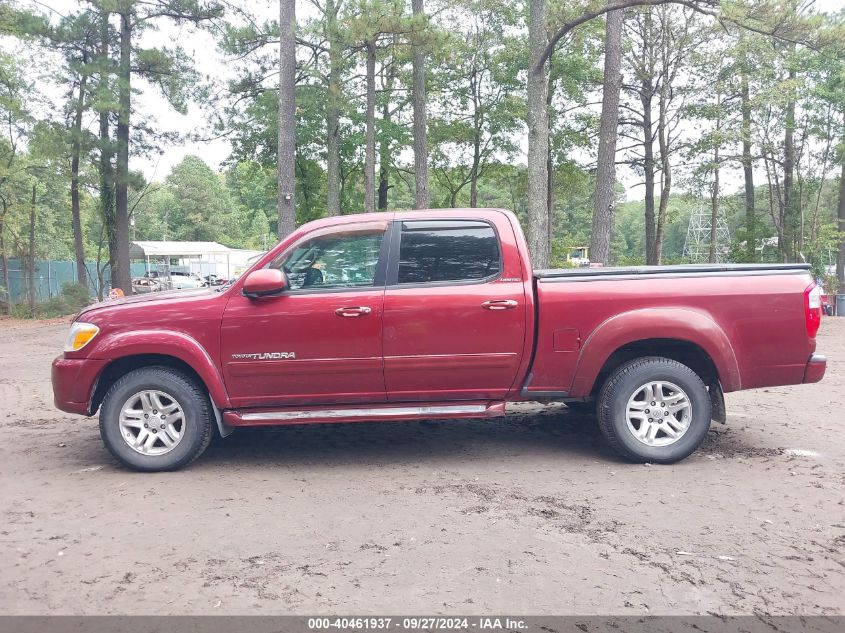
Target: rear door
[(454, 327)]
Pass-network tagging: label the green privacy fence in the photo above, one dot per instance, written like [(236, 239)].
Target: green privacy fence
[(50, 275)]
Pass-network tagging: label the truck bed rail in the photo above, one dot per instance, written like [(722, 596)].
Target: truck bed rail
[(682, 270)]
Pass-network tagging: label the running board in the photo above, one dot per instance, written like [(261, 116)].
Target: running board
[(368, 413)]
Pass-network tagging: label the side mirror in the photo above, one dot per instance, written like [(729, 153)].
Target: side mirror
[(267, 282)]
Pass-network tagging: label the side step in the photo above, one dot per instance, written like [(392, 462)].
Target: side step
[(364, 413)]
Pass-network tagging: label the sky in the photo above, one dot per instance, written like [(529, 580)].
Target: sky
[(200, 44)]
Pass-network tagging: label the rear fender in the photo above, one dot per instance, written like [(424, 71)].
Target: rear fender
[(176, 344), (655, 323)]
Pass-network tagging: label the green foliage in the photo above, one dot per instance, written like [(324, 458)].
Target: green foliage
[(823, 253), (72, 299), (192, 204), (76, 295), (476, 63)]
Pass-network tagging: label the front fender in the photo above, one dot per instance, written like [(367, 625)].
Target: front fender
[(166, 343), (655, 323)]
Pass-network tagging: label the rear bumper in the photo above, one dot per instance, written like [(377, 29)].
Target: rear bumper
[(816, 366), (73, 383)]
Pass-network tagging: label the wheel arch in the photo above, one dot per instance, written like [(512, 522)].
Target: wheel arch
[(126, 351), (684, 352), (687, 336), (122, 365)]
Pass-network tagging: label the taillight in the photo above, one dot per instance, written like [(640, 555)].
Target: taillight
[(813, 308)]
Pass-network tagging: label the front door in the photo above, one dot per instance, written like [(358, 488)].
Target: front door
[(454, 329), (321, 340)]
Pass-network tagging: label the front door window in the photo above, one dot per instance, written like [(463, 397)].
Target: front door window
[(346, 259)]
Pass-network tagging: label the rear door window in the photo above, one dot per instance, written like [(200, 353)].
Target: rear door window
[(441, 251)]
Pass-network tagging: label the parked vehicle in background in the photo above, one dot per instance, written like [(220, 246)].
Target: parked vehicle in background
[(141, 285), (828, 300), (579, 256), (214, 280), (153, 281), (182, 281), (435, 314)]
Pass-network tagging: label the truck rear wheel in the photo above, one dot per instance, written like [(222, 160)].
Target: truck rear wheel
[(155, 419), (654, 409)]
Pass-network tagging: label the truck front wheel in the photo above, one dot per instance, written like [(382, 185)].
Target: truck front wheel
[(156, 418), (654, 409)]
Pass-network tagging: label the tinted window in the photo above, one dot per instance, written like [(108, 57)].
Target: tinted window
[(339, 260), (447, 251)]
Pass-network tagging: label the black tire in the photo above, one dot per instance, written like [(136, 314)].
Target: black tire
[(196, 428), (626, 382)]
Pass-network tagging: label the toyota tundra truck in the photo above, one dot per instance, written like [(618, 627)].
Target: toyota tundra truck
[(435, 314)]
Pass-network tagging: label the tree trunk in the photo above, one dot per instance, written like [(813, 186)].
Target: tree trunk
[(647, 91), (714, 206), (420, 131), (747, 161), (333, 112), (75, 151), (789, 214), (4, 260), (30, 273), (665, 190), (648, 168), (477, 122), (383, 173), (370, 151), (714, 194), (550, 166), (663, 140), (120, 258), (606, 159), (840, 261), (101, 282), (106, 153), (474, 170), (538, 138), (286, 155), (550, 197), (384, 142)]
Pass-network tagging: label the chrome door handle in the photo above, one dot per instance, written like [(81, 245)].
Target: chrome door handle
[(499, 304), (353, 311)]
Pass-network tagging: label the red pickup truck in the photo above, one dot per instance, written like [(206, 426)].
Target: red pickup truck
[(435, 314)]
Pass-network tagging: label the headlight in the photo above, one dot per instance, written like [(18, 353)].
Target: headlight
[(80, 335)]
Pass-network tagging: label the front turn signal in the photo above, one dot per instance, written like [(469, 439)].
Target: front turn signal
[(80, 335)]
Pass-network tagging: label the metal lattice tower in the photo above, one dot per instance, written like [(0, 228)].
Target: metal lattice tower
[(697, 244)]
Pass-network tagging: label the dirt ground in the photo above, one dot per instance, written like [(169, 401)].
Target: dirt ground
[(530, 515)]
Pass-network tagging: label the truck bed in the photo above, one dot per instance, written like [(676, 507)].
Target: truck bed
[(681, 270), (749, 319)]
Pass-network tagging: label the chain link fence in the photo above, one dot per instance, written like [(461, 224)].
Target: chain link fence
[(49, 277)]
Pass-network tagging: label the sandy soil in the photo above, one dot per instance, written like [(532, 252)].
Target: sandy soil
[(529, 515)]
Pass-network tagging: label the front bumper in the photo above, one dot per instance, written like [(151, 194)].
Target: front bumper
[(816, 366), (74, 380)]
